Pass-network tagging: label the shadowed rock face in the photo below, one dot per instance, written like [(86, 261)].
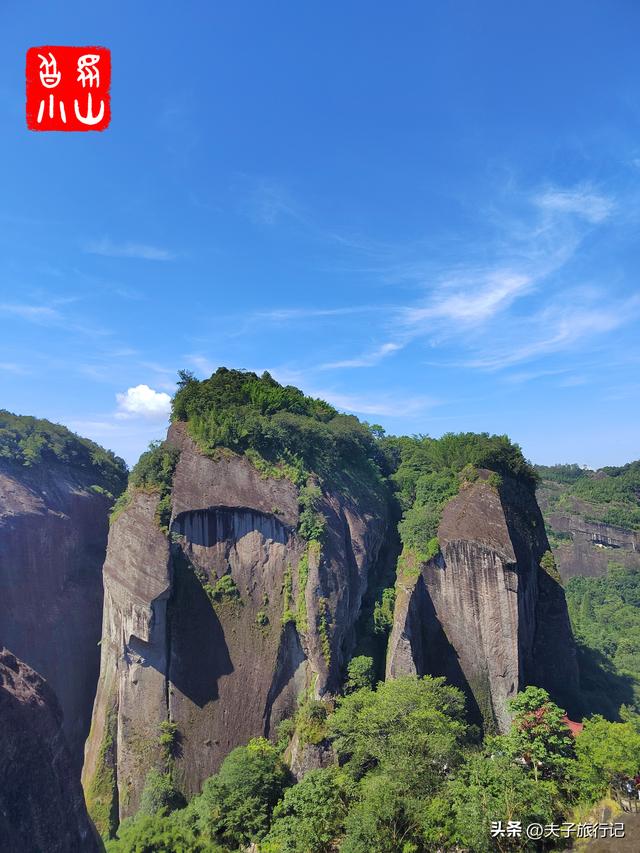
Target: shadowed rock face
[(53, 536), (41, 802), (224, 668), (483, 613)]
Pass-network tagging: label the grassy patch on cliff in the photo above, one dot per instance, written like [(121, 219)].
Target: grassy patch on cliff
[(30, 442), (102, 791)]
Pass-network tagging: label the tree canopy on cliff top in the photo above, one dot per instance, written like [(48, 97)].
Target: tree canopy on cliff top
[(254, 414), (243, 411), (29, 442)]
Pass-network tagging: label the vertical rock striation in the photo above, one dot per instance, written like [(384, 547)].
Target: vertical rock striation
[(224, 660), (483, 612)]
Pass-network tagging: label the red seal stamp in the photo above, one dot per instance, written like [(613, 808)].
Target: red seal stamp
[(68, 88)]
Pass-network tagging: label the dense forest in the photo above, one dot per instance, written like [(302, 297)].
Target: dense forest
[(409, 772), (31, 442), (410, 775), (610, 495)]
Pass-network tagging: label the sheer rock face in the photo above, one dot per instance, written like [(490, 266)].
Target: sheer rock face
[(592, 546), (41, 802), (222, 670), (53, 536), (483, 613)]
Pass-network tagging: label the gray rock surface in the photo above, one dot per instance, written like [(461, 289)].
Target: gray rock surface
[(53, 536), (41, 802), (483, 613), (229, 669)]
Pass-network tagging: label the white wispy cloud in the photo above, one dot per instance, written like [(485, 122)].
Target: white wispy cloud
[(366, 359), (41, 314), (582, 201), (559, 326), (142, 251), (286, 314), (388, 405), (12, 367), (204, 366), (470, 299), (142, 401)]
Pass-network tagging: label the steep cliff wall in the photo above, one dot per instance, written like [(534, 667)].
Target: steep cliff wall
[(220, 625), (584, 547), (482, 612), (41, 802), (590, 518), (53, 534)]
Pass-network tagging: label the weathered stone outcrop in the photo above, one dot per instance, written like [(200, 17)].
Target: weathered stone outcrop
[(224, 663), (483, 613), (587, 547), (582, 546), (41, 802), (53, 535)]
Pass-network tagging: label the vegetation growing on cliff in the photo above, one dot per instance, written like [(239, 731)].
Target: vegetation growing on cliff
[(152, 473), (610, 495), (430, 471), (30, 442), (408, 776), (277, 425)]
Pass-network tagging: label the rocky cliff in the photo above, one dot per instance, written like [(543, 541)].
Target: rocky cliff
[(41, 802), (221, 623), (53, 534), (483, 612), (592, 517)]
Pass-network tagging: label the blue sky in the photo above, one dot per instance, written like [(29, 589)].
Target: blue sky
[(425, 213)]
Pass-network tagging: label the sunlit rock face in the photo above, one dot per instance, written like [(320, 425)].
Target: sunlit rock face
[(195, 626), (483, 613)]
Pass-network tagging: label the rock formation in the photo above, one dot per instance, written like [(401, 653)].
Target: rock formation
[(483, 612), (41, 802), (53, 532), (221, 624), (587, 547)]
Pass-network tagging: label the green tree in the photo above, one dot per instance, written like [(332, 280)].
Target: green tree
[(310, 817), (360, 673), (385, 818), (604, 750), (410, 728), (539, 737), (160, 794), (492, 788), (158, 834), (235, 806)]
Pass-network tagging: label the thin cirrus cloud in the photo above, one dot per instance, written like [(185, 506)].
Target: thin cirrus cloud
[(42, 315), (460, 304), (367, 359), (142, 251), (582, 201), (560, 326), (385, 405), (142, 401)]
